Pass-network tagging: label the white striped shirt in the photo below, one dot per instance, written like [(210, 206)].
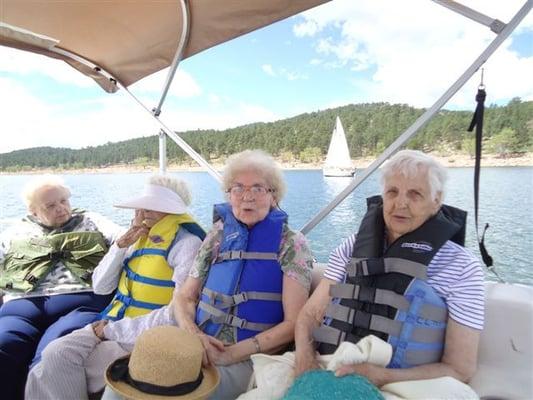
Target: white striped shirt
[(454, 273)]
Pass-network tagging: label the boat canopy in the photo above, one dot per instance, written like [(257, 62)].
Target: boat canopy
[(133, 39)]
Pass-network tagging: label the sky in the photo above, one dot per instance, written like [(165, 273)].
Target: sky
[(340, 53)]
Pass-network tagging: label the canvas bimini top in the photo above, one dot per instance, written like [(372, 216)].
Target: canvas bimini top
[(133, 39)]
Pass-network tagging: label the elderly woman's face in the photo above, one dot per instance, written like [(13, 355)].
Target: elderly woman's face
[(51, 206), (149, 218), (407, 204), (251, 198)]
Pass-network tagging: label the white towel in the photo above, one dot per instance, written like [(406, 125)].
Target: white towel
[(273, 375)]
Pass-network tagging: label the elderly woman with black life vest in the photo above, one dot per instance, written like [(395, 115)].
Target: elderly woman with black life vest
[(250, 278), (404, 277)]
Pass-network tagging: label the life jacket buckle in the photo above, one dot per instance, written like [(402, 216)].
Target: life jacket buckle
[(236, 254), (31, 279), (240, 298), (236, 321)]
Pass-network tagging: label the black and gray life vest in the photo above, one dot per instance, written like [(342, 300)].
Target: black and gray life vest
[(386, 291)]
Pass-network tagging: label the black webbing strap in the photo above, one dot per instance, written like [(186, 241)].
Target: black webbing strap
[(477, 122)]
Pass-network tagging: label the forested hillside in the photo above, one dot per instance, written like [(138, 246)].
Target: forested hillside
[(369, 129)]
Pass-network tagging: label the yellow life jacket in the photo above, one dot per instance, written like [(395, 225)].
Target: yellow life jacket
[(146, 282)]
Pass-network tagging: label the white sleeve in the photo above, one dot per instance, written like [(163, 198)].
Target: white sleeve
[(182, 255), (109, 229), (126, 330), (339, 257), (107, 272)]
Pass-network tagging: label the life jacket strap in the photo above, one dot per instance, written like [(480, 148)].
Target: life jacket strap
[(378, 266), (221, 317), (329, 335), (225, 301), (245, 255), (149, 281), (382, 324), (385, 297), (130, 301), (148, 251)]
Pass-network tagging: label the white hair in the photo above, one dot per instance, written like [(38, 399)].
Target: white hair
[(410, 163), (259, 162), (36, 184), (176, 185)]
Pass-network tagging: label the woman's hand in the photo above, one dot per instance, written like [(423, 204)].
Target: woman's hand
[(374, 373), (304, 364), (98, 328), (136, 230), (215, 351)]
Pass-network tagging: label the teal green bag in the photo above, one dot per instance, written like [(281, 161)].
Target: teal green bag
[(324, 385)]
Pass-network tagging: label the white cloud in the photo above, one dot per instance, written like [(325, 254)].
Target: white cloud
[(267, 68), (227, 113), (24, 63), (28, 121), (307, 28), (413, 60), (283, 73), (183, 84)]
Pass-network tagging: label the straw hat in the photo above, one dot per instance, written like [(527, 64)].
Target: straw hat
[(166, 363), (156, 198)]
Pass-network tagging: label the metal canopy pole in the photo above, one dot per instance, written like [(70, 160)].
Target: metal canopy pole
[(184, 39), (177, 139), (495, 25), (423, 119)]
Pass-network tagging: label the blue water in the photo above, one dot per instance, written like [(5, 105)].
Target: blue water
[(506, 204)]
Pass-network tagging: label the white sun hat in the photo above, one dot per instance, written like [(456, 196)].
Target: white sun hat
[(156, 198)]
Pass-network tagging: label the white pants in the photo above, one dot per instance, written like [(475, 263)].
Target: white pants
[(234, 381), (72, 366)]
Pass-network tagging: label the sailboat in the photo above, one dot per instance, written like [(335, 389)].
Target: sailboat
[(338, 161)]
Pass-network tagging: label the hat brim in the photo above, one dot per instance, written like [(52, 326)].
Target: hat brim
[(153, 203), (208, 386)]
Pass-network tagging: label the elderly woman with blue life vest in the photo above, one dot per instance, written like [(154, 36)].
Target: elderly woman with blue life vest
[(46, 263), (142, 268), (404, 277), (251, 276)]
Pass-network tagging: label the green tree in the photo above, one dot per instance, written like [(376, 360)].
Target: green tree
[(504, 143), (468, 145), (311, 155)]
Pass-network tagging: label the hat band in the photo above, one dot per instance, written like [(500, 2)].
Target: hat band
[(120, 371)]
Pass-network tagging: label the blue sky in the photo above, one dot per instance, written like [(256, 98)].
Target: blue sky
[(340, 53)]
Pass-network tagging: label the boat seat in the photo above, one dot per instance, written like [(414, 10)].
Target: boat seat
[(505, 361)]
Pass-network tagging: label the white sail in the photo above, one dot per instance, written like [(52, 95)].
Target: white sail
[(338, 161)]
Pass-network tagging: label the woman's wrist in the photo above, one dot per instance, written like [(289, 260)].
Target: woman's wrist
[(257, 345)]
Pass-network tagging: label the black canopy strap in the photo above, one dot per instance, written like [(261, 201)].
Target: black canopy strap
[(477, 122)]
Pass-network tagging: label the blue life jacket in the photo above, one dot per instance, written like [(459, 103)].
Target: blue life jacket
[(244, 284), (386, 291)]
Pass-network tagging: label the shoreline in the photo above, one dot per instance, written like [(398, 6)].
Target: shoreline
[(449, 161)]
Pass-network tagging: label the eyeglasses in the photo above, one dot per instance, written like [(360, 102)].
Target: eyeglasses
[(255, 190)]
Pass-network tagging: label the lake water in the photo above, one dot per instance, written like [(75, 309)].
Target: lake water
[(506, 203)]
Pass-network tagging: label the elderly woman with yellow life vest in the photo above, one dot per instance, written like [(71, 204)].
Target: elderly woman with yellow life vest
[(145, 265), (46, 263), (404, 277), (251, 276)]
